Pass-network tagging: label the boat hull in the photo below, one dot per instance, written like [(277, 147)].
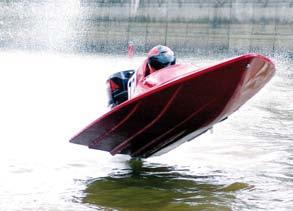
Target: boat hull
[(178, 110)]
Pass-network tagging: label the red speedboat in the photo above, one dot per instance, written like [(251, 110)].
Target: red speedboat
[(154, 113)]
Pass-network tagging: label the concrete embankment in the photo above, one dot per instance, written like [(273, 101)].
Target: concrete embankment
[(189, 26), (185, 25)]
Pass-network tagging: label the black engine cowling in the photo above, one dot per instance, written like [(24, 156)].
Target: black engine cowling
[(117, 87)]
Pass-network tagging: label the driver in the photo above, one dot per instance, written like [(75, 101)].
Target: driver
[(159, 57)]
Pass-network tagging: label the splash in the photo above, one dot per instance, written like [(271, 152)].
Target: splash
[(58, 23), (33, 25)]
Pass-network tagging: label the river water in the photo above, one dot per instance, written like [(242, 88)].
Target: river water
[(245, 163)]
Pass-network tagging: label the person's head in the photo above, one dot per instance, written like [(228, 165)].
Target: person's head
[(159, 57)]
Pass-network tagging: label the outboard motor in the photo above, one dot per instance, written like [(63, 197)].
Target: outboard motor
[(117, 87)]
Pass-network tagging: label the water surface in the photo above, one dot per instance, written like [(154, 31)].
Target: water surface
[(245, 163)]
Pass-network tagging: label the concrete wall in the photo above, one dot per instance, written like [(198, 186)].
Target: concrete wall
[(186, 25)]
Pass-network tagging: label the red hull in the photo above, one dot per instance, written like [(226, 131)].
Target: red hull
[(177, 105)]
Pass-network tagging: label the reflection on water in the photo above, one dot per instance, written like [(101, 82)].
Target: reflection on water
[(159, 187)]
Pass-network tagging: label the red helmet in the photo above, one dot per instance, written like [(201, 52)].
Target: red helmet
[(161, 56)]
